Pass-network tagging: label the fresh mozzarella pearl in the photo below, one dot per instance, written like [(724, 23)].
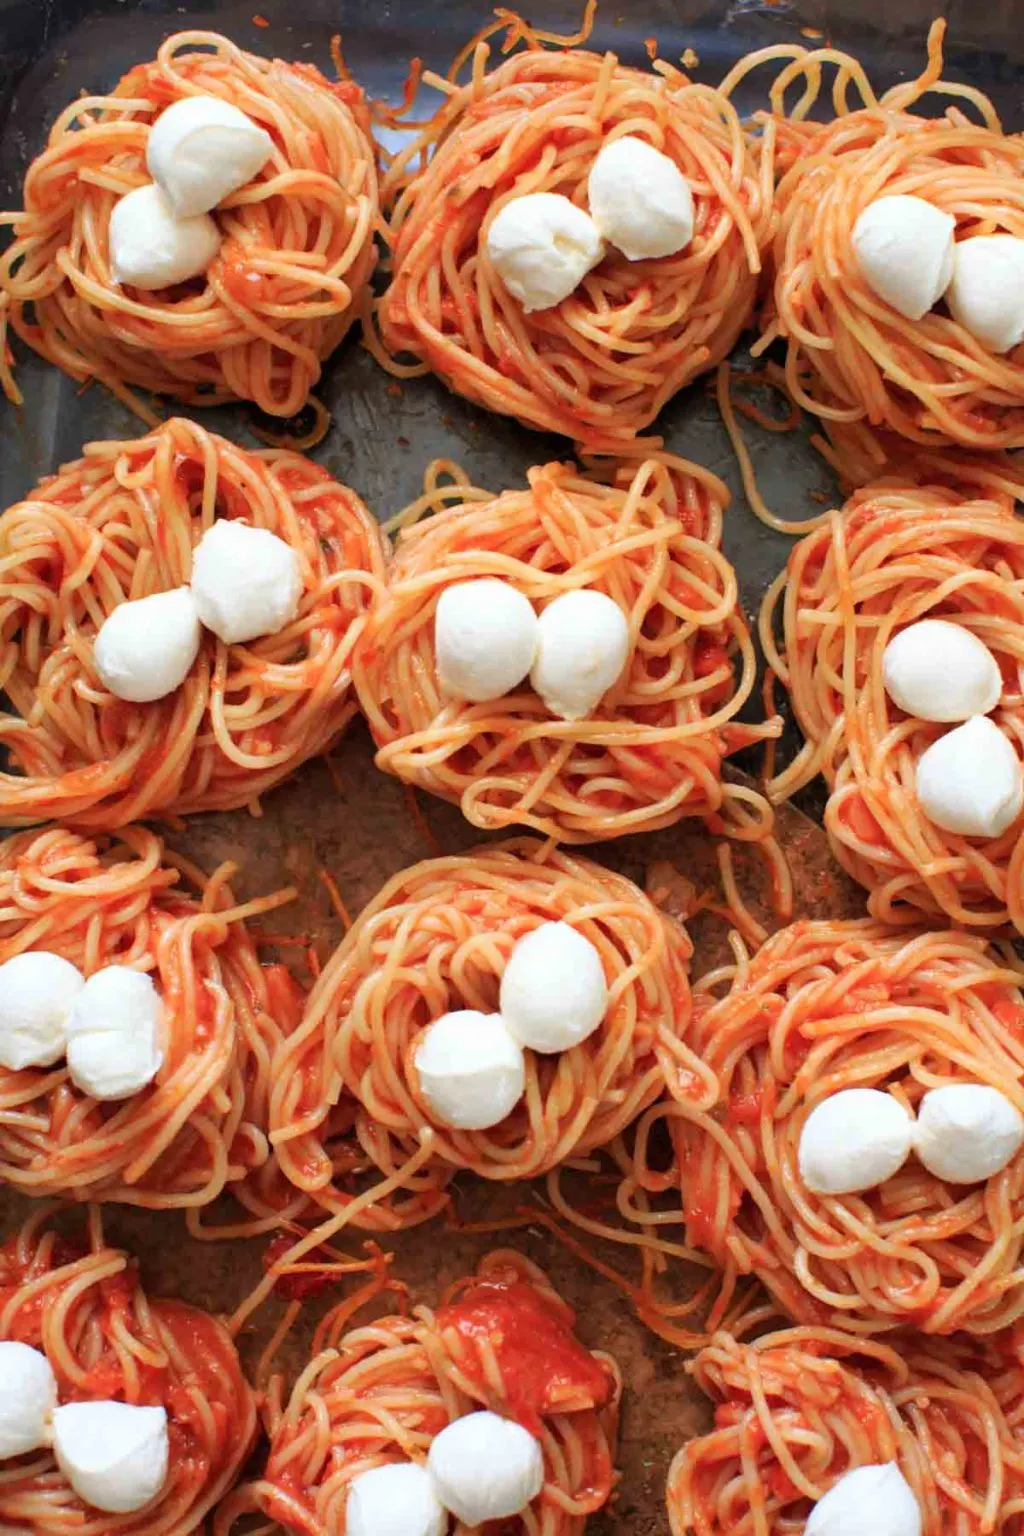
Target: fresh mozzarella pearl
[(146, 648), (471, 1070), (246, 581), (114, 1032), (582, 648), (553, 992), (904, 248), (986, 291), (394, 1500), (940, 671), (485, 637), (37, 990), (485, 1468), (869, 1501), (967, 1132), (970, 780), (201, 150), (114, 1455), (150, 248), (640, 200), (542, 246), (853, 1140), (28, 1396)]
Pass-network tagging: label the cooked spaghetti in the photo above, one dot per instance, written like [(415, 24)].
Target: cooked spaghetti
[(121, 523), (200, 1125), (895, 554), (380, 1392), (599, 366), (82, 1305), (652, 750), (293, 270)]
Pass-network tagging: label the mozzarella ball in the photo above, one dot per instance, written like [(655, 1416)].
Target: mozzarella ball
[(394, 1500), (114, 1031), (37, 990), (246, 581), (583, 645), (553, 992), (200, 150), (150, 248), (904, 248), (114, 1455), (485, 638), (640, 200), (986, 291), (28, 1396), (966, 1132), (471, 1070), (542, 246), (853, 1140), (970, 780), (941, 671), (146, 648), (869, 1501), (485, 1468)]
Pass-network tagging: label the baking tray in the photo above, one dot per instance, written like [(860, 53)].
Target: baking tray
[(51, 50)]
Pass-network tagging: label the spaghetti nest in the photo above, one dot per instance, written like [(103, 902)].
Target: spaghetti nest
[(121, 523), (797, 1410), (599, 366), (893, 555), (82, 1305), (826, 1006), (380, 1392), (850, 356), (652, 749), (200, 1124), (437, 939), (293, 270)]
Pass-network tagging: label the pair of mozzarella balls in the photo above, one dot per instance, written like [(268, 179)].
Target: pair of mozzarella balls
[(970, 781), (542, 245), (488, 639), (860, 1137), (907, 254), (199, 151), (246, 582), (471, 1066), (873, 1500), (481, 1467), (108, 1028), (114, 1455)]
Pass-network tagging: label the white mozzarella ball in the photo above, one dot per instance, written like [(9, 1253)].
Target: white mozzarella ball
[(640, 200), (966, 1132), (114, 1455), (201, 149), (486, 1468), (542, 246), (114, 1031), (150, 248), (553, 992), (37, 990), (147, 647), (904, 248), (970, 780), (471, 1070), (986, 291), (875, 1500), (854, 1140), (394, 1500), (941, 671), (583, 645), (485, 638), (28, 1396), (246, 581)]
